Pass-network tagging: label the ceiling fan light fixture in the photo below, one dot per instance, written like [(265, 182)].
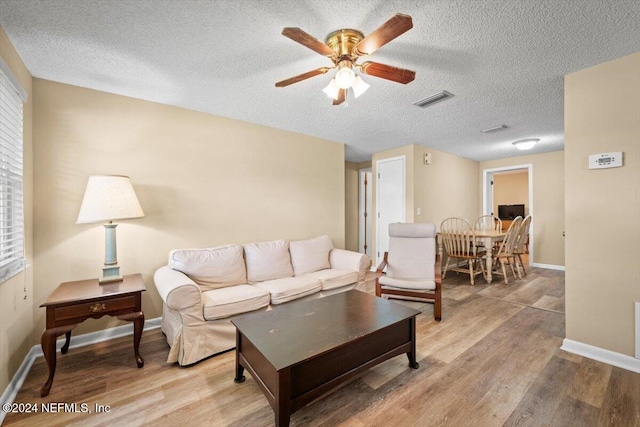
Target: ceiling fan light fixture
[(359, 86), (526, 144), (345, 75), (344, 47), (332, 89)]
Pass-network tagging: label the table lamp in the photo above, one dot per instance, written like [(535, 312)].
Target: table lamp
[(109, 198)]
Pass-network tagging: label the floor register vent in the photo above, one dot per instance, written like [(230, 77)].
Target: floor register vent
[(430, 100)]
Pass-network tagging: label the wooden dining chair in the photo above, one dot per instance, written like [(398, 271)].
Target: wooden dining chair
[(458, 238), (505, 255), (521, 245), (487, 223)]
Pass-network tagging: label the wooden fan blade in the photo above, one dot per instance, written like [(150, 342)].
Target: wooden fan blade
[(298, 35), (342, 95), (391, 29), (388, 72), (302, 77)]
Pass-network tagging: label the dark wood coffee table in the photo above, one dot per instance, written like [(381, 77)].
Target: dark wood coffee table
[(300, 350)]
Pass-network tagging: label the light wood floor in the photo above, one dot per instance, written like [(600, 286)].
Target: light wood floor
[(494, 360)]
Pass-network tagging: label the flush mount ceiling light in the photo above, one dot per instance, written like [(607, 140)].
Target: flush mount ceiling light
[(343, 48), (526, 144)]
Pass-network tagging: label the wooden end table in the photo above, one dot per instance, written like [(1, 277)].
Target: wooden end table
[(74, 302)]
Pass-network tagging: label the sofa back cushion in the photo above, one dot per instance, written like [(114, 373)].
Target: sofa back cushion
[(308, 256), (211, 268), (267, 261)]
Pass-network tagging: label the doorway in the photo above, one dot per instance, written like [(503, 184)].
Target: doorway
[(503, 186), (390, 200)]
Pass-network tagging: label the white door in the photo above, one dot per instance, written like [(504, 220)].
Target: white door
[(488, 195), (390, 200), (365, 212)]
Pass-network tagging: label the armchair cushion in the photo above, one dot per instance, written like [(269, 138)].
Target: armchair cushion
[(225, 302), (310, 255), (290, 288), (211, 268), (412, 251), (268, 261), (333, 278), (401, 284)]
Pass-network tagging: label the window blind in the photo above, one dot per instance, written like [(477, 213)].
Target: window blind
[(12, 259)]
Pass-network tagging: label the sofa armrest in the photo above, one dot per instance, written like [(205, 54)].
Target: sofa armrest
[(349, 260), (178, 291)]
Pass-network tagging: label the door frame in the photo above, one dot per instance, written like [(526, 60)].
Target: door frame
[(487, 196), (404, 198), (365, 226)]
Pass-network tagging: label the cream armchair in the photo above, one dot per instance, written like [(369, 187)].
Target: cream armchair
[(413, 267)]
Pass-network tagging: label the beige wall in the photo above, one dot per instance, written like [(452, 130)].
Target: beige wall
[(351, 206), (602, 114), (202, 181), (445, 188), (511, 189), (16, 294), (548, 203)]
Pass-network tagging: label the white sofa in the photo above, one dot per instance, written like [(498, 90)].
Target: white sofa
[(203, 289)]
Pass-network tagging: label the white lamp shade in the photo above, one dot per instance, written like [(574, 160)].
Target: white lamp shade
[(359, 86), (108, 198), (345, 77), (332, 89)]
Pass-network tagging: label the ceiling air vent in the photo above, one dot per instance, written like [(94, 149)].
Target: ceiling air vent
[(494, 128), (430, 100)]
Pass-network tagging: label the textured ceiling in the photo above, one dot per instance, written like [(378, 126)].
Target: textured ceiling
[(504, 61)]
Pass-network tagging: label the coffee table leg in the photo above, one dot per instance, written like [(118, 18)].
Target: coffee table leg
[(283, 398), (239, 368), (412, 354), (239, 373)]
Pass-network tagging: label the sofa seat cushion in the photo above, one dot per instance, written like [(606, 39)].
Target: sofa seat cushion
[(290, 288), (225, 302), (211, 268), (332, 278), (417, 285), (310, 255), (267, 261)]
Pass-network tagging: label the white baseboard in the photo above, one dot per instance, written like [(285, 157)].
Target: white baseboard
[(549, 266), (16, 382), (637, 310), (601, 355)]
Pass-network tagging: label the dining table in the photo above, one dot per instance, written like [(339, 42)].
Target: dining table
[(488, 238)]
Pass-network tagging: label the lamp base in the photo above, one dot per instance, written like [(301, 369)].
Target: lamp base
[(110, 274)]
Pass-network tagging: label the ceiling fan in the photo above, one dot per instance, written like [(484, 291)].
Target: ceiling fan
[(344, 47)]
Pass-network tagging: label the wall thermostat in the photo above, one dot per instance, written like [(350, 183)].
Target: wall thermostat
[(605, 160)]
